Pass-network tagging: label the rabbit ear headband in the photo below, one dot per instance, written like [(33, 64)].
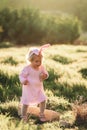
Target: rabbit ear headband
[(37, 51)]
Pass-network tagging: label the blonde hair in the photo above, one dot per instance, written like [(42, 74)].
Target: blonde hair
[(30, 56)]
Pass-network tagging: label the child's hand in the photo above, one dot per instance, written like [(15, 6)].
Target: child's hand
[(43, 76), (26, 82)]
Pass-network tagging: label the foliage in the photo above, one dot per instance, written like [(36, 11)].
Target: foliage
[(54, 7), (5, 44), (28, 26), (81, 12), (63, 29), (21, 27)]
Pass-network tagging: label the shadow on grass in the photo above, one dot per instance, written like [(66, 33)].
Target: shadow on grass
[(9, 109), (9, 86), (10, 60), (80, 50), (64, 89), (84, 72), (71, 92), (62, 59)]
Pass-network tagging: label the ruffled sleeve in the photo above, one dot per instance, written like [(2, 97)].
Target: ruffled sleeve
[(23, 75)]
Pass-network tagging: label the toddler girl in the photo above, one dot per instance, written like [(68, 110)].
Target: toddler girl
[(31, 78)]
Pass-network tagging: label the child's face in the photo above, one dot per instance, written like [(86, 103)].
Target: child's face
[(36, 62)]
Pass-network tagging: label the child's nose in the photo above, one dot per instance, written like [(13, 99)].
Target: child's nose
[(39, 63)]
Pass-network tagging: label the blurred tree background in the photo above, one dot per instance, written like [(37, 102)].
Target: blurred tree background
[(39, 21)]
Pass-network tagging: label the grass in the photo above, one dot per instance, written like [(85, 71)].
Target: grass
[(67, 82), (62, 59), (10, 60), (84, 72)]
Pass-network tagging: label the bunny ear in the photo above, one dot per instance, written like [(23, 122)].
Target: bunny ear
[(44, 47)]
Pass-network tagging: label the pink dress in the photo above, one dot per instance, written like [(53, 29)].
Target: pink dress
[(33, 93)]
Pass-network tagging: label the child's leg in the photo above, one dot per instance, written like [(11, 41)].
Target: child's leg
[(24, 112), (42, 108)]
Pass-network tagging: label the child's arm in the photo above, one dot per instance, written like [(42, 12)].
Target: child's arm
[(23, 76), (44, 74)]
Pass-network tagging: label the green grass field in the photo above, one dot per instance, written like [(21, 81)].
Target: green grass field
[(67, 83)]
